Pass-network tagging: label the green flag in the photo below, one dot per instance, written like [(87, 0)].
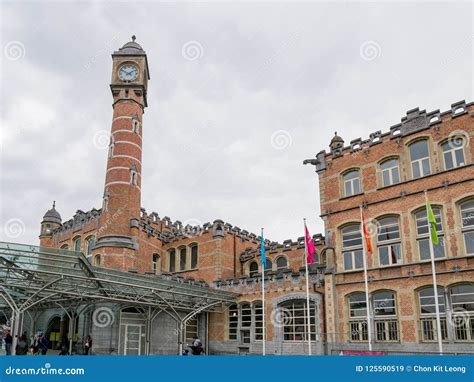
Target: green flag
[(432, 223)]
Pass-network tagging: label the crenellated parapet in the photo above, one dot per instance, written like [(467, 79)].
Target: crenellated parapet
[(275, 247), (167, 230), (414, 121), (79, 220), (274, 280)]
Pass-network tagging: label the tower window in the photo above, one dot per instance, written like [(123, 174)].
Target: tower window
[(156, 264), (133, 175), (77, 244)]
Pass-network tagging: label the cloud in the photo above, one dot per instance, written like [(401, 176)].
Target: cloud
[(291, 70)]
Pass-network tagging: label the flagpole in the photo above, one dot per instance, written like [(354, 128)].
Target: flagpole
[(308, 313), (369, 327), (435, 285), (263, 298)]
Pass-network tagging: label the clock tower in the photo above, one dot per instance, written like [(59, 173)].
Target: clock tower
[(122, 190)]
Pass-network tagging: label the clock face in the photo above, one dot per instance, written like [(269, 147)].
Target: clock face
[(128, 72)]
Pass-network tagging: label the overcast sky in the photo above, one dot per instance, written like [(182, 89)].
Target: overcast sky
[(239, 95)]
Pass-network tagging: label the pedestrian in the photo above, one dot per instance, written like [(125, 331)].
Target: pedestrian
[(196, 347), (87, 345), (42, 344), (8, 343), (21, 346), (64, 349)]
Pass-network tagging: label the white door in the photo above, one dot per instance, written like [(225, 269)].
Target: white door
[(133, 338)]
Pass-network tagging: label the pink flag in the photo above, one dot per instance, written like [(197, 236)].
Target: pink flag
[(310, 250)]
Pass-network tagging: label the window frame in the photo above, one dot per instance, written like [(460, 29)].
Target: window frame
[(419, 161), (390, 171), (351, 182), (389, 243), (438, 212), (353, 250), (452, 153), (467, 230)]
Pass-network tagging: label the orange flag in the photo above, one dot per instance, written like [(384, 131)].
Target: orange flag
[(368, 243)]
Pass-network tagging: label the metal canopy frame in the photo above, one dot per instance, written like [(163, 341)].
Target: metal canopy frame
[(42, 278)]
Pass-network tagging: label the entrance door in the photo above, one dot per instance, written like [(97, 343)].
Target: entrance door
[(133, 338)]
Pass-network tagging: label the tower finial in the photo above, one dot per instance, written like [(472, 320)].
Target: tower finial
[(335, 133), (54, 203), (134, 38)]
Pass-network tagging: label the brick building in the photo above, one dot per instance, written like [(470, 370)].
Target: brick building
[(387, 174)]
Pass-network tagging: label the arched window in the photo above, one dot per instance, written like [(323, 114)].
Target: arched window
[(467, 225), (253, 269), (97, 261), (420, 159), (462, 303), (156, 264), (352, 247), (258, 320), (388, 241), (281, 263), (182, 258), (245, 322), (453, 152), (77, 244), (90, 244), (423, 234), (390, 170), (385, 316), (428, 326), (295, 322), (233, 321), (172, 260), (269, 264), (194, 256), (358, 317), (352, 183)]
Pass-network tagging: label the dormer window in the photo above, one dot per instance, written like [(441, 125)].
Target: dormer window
[(352, 183)]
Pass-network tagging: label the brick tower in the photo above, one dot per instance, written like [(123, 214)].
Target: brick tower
[(122, 190)]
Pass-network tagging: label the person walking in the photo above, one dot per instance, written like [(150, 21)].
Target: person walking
[(8, 343), (87, 345), (42, 344)]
